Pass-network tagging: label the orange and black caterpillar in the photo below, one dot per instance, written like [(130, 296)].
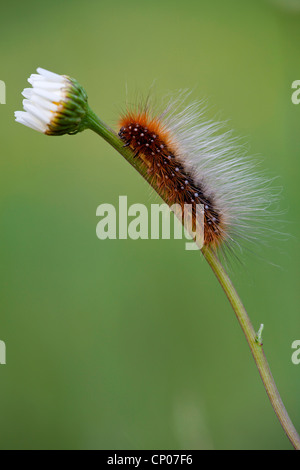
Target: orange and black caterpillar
[(190, 162), (153, 145)]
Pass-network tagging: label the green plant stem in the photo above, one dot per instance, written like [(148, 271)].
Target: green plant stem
[(95, 124), (255, 346)]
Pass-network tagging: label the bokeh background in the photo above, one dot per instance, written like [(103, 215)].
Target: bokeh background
[(132, 344)]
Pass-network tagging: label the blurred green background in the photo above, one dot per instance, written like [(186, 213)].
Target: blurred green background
[(132, 344)]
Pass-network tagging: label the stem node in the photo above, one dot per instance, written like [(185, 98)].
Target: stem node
[(259, 338)]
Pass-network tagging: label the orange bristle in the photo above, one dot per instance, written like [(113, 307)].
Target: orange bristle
[(153, 143)]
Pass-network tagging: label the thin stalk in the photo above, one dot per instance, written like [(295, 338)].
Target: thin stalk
[(255, 344), (253, 339)]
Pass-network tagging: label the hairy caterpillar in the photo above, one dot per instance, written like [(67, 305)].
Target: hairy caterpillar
[(191, 162)]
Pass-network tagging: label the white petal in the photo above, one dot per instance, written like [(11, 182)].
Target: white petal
[(50, 96), (19, 115), (27, 92), (34, 78), (30, 121), (38, 125), (43, 103), (46, 84), (40, 114), (21, 121), (50, 75)]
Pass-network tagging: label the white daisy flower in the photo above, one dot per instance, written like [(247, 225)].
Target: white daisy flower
[(55, 105)]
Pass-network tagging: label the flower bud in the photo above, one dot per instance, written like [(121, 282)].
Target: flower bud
[(55, 105)]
